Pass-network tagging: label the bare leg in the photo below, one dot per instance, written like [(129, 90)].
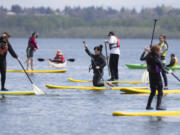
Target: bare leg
[(28, 61), (32, 66)]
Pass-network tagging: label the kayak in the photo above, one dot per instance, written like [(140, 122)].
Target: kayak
[(86, 81), (141, 91), (38, 71), (90, 88), (17, 93), (57, 65), (167, 112), (143, 66)]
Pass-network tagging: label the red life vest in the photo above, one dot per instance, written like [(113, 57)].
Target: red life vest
[(4, 50), (60, 58), (118, 42)]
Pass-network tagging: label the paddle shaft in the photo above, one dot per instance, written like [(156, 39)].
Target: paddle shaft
[(152, 38), (71, 59), (175, 77), (107, 59), (25, 71)]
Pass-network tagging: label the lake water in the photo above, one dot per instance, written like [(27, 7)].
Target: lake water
[(82, 112)]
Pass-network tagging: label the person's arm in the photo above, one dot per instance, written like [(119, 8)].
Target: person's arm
[(87, 50), (34, 43), (103, 62), (11, 51), (172, 62), (143, 57), (159, 63)]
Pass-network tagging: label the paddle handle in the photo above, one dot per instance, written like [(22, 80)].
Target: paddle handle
[(25, 71), (152, 38)]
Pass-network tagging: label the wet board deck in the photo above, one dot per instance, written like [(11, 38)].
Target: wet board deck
[(38, 71), (141, 91), (89, 88), (86, 81), (167, 112), (17, 93)]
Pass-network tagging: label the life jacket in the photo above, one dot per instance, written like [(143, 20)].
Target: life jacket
[(60, 57), (3, 48), (117, 44), (176, 62), (162, 45)]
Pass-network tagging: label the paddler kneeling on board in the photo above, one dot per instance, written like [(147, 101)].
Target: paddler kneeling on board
[(98, 63), (173, 61), (155, 68), (59, 58), (5, 46)]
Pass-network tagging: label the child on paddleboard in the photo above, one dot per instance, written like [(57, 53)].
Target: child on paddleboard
[(59, 58), (98, 62), (155, 69)]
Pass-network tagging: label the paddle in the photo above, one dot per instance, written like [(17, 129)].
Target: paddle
[(70, 60), (152, 38), (145, 76), (107, 59), (35, 88), (171, 72)]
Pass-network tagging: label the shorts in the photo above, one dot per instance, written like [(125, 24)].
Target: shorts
[(30, 53)]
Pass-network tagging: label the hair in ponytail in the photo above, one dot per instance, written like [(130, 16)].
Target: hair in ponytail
[(99, 48)]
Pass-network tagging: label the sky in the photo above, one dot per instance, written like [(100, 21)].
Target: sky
[(115, 4)]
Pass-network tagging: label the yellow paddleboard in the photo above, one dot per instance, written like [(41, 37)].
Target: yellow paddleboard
[(141, 91), (38, 71), (85, 81), (17, 93), (167, 112), (90, 88)]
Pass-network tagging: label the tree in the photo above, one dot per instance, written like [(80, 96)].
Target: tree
[(16, 8)]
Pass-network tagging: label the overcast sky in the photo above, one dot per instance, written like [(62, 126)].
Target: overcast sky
[(117, 4)]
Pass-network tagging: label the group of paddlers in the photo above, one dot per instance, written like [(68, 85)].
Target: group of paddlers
[(155, 59)]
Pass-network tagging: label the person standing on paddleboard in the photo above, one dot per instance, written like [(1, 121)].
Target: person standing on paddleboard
[(98, 62), (164, 47), (154, 67), (32, 46), (114, 46), (5, 46)]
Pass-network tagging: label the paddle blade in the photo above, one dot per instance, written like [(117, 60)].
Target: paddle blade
[(145, 77), (107, 86), (71, 60), (37, 90), (40, 59)]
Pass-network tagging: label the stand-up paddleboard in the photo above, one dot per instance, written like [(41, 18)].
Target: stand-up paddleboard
[(38, 71), (90, 88), (86, 81), (140, 66), (141, 91), (17, 93), (167, 112), (57, 65)]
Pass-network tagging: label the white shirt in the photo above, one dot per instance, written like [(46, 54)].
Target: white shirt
[(113, 40)]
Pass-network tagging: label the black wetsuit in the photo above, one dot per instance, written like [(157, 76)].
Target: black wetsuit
[(154, 67), (97, 60), (3, 61)]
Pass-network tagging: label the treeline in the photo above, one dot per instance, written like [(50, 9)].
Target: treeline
[(89, 22)]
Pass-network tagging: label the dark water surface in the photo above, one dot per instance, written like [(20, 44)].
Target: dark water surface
[(81, 112)]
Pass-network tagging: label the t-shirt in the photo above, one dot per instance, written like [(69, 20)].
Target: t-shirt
[(115, 50)]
